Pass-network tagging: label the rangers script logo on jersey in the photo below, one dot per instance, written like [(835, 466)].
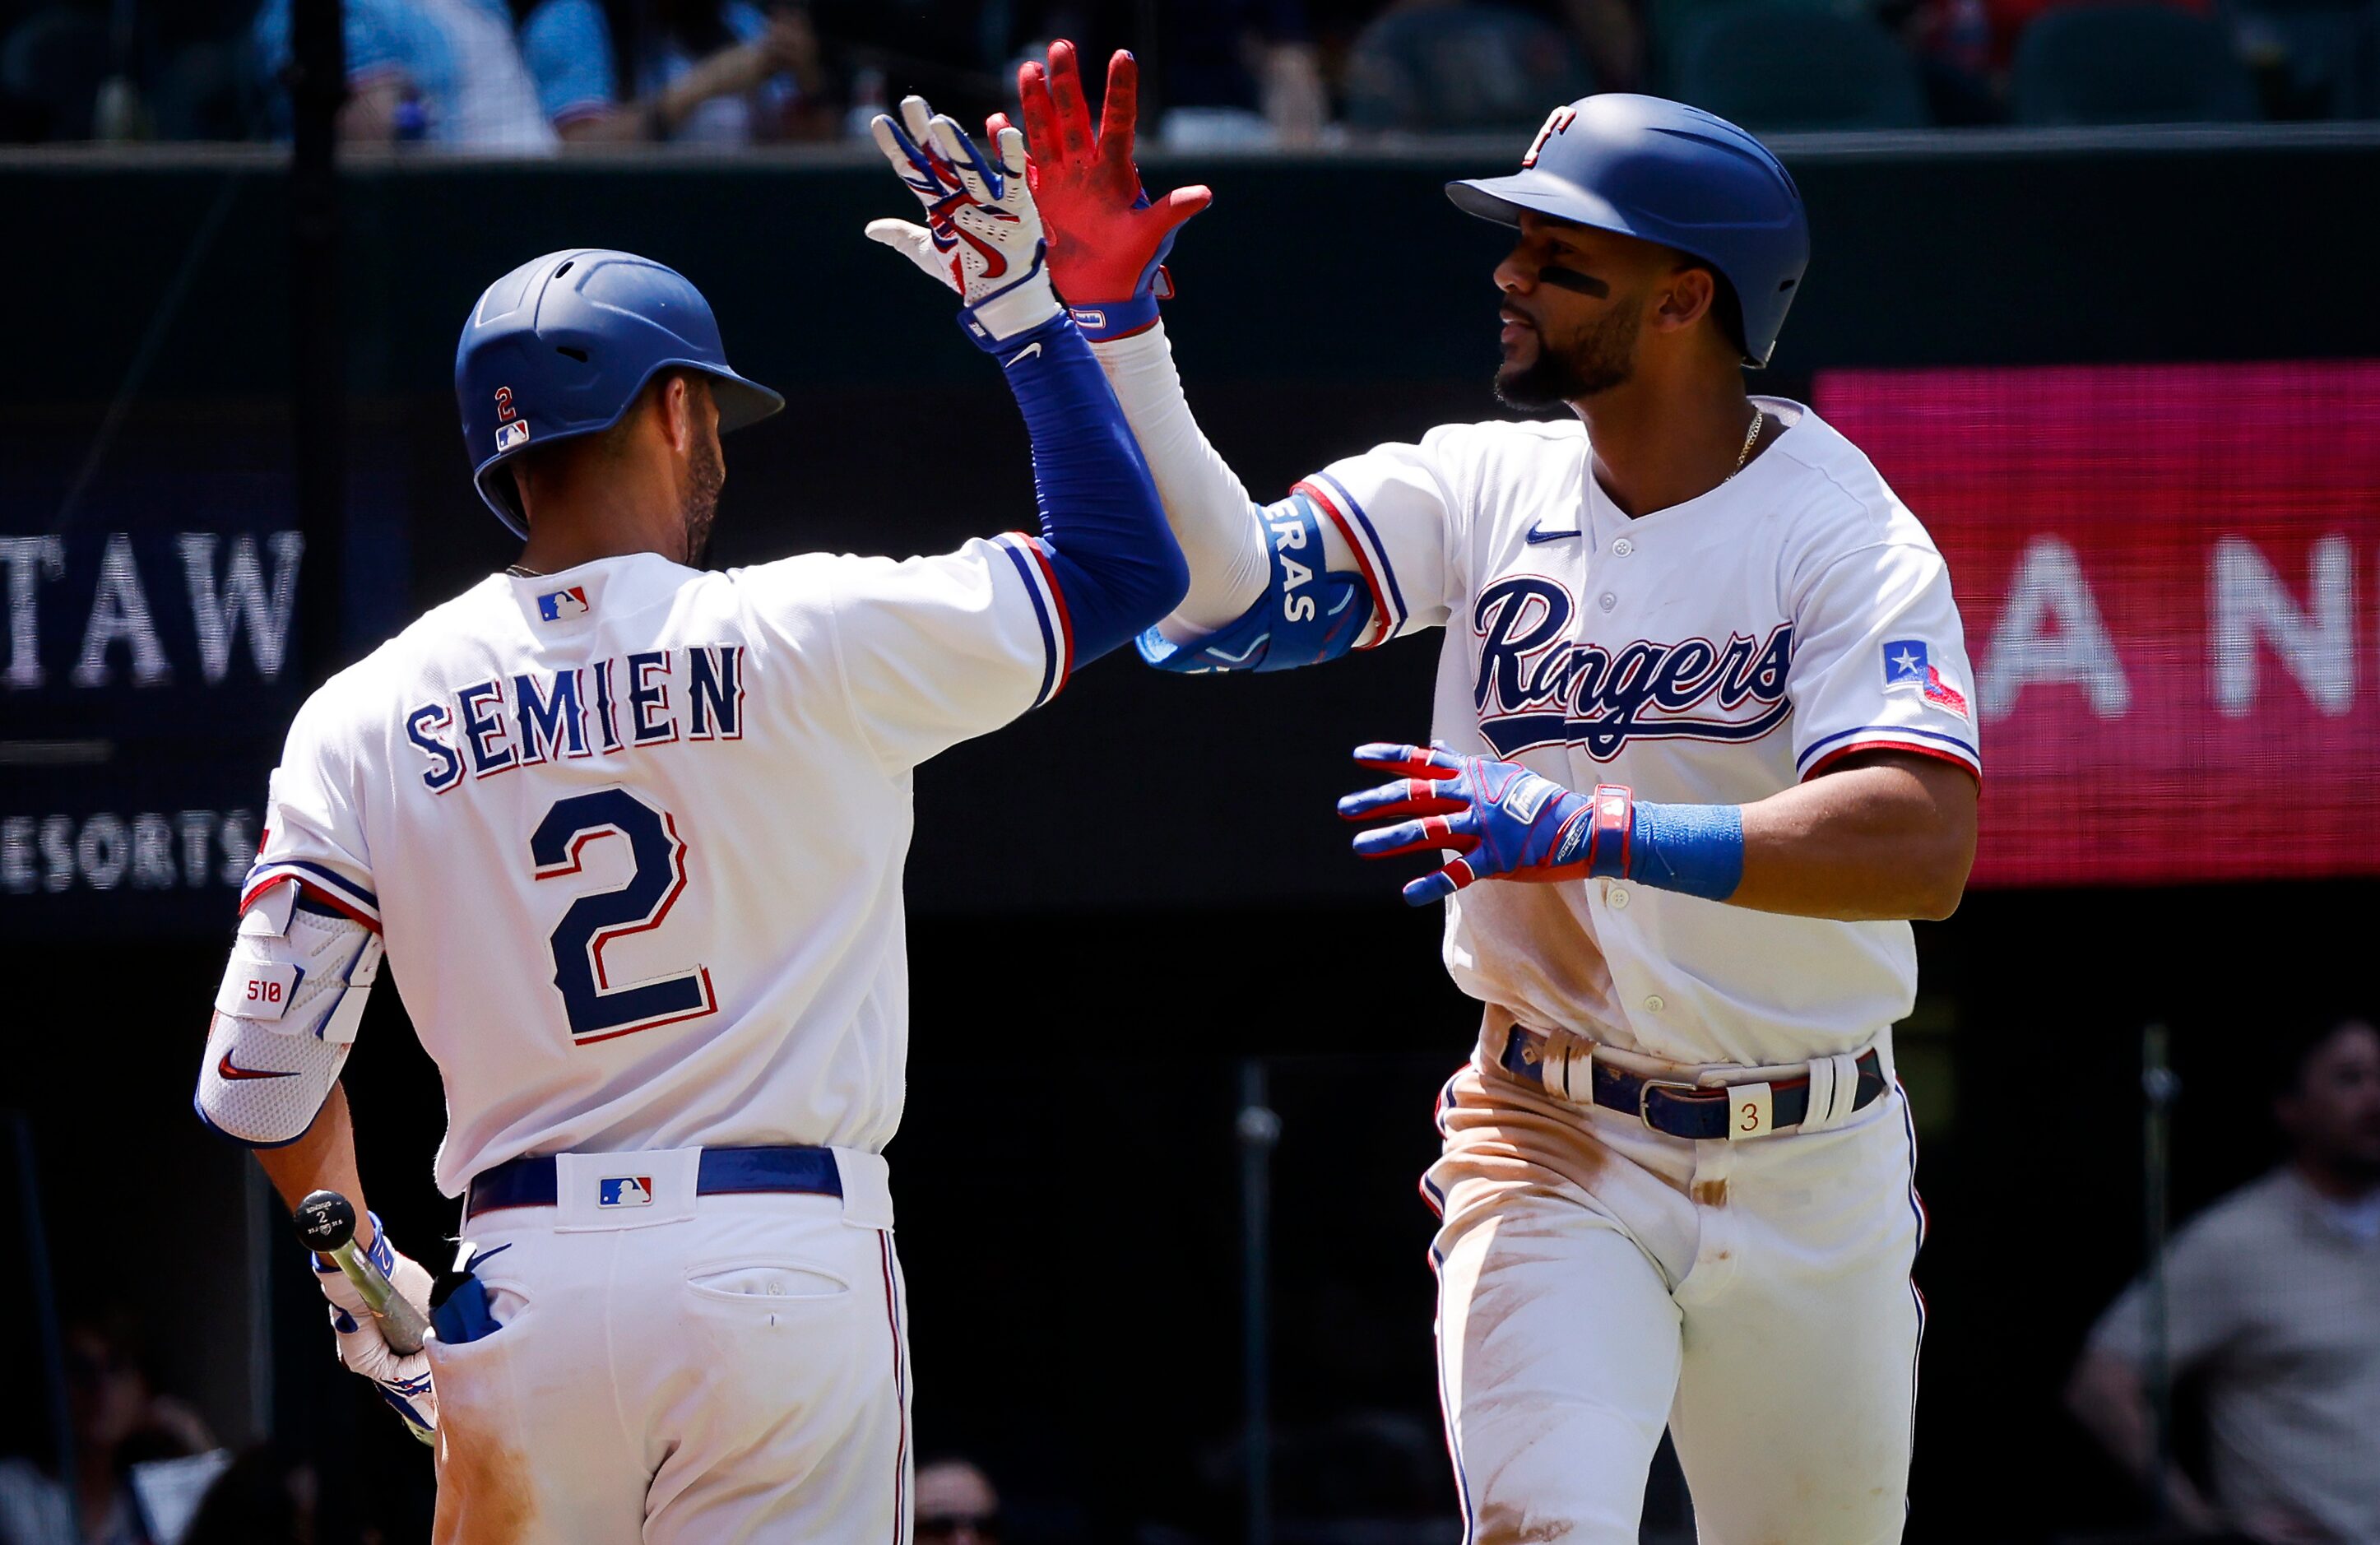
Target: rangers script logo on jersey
[(1536, 687)]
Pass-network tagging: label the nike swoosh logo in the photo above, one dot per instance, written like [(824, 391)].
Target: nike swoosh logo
[(1538, 535), (234, 1071), (1028, 352)]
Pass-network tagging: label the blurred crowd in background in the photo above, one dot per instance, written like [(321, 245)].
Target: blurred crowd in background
[(543, 75)]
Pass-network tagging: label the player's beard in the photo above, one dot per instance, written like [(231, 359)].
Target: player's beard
[(707, 475), (1602, 357)]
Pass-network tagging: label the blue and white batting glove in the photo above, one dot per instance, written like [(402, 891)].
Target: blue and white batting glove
[(404, 1382), (1506, 822), (982, 234)]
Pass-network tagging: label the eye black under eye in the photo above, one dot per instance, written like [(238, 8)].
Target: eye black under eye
[(1572, 279)]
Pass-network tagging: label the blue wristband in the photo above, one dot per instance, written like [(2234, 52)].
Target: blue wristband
[(1695, 849)]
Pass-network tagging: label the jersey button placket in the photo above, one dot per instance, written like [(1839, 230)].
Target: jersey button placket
[(1621, 548)]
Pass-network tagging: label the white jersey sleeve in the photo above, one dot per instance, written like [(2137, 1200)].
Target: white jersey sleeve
[(1879, 656), (313, 817), (932, 650), (294, 991), (1395, 508), (1383, 514)]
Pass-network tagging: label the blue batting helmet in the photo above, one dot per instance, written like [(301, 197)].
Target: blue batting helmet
[(1665, 172), (561, 347)]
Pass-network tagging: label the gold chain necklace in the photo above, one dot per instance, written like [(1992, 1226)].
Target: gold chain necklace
[(1759, 415)]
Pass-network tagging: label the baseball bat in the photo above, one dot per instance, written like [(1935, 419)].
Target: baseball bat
[(326, 1220)]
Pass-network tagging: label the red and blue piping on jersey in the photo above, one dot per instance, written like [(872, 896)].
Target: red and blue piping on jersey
[(1911, 738), (326, 884), (1355, 528), (1040, 579)]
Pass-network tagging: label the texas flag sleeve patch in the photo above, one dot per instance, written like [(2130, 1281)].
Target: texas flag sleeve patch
[(1909, 667)]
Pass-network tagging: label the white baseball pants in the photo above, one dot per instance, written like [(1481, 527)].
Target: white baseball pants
[(691, 1372), (1598, 1282)]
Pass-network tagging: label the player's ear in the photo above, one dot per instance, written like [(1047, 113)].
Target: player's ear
[(680, 414), (1685, 297)]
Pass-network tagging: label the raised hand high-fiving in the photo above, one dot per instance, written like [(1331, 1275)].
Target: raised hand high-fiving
[(1108, 242), (982, 234)]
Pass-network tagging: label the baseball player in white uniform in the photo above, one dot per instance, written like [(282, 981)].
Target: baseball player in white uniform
[(1702, 741), (631, 836)]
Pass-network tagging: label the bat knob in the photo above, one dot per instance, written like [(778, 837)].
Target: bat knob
[(326, 1220)]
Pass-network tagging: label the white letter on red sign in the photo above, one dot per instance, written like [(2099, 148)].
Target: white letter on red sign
[(2249, 602), (2051, 631)]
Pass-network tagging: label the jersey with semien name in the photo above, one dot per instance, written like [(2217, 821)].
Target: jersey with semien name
[(634, 833), (1715, 652)]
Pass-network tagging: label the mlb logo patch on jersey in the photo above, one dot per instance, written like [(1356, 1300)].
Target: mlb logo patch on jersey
[(624, 1190), (554, 605), (1909, 667)]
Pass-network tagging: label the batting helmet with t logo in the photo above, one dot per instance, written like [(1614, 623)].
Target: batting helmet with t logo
[(1664, 172)]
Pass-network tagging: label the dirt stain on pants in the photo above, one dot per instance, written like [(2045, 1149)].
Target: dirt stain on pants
[(483, 1493)]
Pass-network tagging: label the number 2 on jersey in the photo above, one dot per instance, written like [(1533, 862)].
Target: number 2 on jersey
[(598, 1010)]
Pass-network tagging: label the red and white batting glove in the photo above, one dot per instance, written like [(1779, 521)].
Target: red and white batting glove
[(1108, 242), (404, 1380), (982, 234)]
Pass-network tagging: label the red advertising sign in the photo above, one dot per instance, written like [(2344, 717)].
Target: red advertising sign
[(2168, 576)]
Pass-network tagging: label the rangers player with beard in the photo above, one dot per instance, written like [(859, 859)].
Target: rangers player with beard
[(631, 834), (1702, 746)]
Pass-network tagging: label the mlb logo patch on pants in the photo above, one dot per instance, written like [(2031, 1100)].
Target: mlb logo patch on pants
[(624, 1190), (647, 1188)]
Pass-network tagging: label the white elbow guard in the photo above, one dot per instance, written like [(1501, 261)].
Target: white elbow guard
[(285, 1018)]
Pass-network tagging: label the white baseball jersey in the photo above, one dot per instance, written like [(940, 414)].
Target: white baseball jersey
[(633, 834), (1714, 653)]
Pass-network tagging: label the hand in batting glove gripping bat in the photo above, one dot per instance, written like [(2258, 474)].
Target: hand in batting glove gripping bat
[(1107, 243), (404, 1380), (1506, 822), (982, 234)]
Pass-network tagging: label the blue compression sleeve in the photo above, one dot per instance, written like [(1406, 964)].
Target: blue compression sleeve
[(1118, 567)]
